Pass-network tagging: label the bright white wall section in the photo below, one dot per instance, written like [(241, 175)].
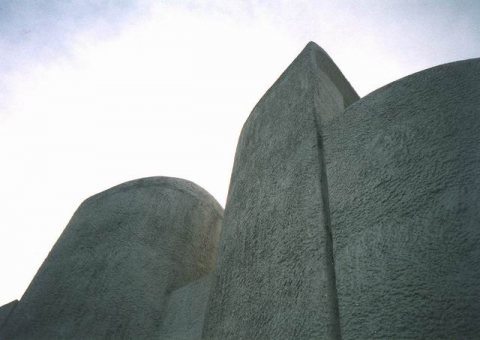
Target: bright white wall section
[(93, 94)]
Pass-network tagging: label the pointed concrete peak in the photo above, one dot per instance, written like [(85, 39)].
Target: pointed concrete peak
[(314, 59), (309, 52), (312, 48), (312, 45), (320, 60), (314, 51)]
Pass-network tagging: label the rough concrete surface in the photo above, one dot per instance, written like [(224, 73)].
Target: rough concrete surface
[(274, 277), (185, 311), (122, 253), (5, 311), (354, 223), (403, 167)]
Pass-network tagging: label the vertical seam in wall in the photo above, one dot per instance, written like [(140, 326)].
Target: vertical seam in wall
[(326, 213)]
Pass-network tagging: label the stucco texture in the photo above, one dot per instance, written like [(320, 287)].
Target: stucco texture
[(275, 277), (185, 311), (403, 168), (122, 253), (6, 310)]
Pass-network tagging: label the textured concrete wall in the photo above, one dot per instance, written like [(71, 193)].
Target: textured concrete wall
[(274, 277), (185, 311), (122, 253), (403, 167), (361, 224), (5, 311)]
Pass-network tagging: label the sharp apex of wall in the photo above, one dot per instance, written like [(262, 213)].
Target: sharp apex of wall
[(322, 62), (309, 64), (313, 48)]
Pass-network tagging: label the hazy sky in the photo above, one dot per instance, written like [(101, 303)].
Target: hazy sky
[(95, 93)]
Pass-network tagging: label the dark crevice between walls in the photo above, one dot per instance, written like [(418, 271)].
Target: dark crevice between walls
[(332, 289)]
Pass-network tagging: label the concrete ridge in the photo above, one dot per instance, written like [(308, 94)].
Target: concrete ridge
[(325, 63), (319, 59), (174, 183), (429, 69), (276, 213)]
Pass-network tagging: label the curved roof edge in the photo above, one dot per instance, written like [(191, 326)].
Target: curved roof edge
[(179, 184)]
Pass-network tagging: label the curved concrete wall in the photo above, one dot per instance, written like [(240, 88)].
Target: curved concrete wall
[(403, 168), (185, 311), (275, 278), (361, 223), (123, 251)]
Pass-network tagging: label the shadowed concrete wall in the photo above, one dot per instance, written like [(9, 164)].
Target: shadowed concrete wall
[(5, 311), (274, 276), (123, 251), (185, 311), (403, 167)]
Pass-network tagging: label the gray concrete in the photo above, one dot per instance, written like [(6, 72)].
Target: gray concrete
[(120, 256), (275, 278), (5, 311), (185, 311), (361, 223), (403, 167)]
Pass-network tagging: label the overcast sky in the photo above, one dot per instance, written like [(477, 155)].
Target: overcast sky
[(96, 93)]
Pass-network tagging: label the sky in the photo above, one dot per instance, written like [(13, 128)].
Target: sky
[(96, 93)]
